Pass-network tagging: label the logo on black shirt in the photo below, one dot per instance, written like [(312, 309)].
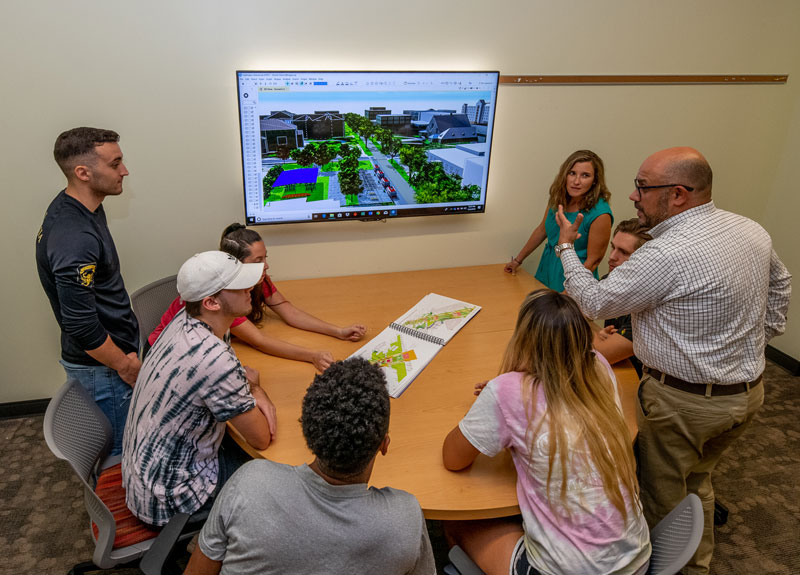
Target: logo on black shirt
[(86, 274)]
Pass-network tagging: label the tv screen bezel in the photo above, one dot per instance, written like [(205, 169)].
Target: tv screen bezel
[(374, 214)]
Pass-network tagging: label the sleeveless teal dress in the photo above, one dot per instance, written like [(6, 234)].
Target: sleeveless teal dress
[(550, 271)]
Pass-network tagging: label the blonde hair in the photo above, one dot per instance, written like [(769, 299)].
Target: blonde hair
[(552, 345), (558, 189)]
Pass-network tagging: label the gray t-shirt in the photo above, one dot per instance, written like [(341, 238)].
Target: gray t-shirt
[(275, 518)]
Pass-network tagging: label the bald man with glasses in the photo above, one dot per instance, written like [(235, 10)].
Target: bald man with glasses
[(706, 295)]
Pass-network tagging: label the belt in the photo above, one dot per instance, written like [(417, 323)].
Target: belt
[(701, 388)]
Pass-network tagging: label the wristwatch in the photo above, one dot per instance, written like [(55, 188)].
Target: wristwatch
[(561, 247)]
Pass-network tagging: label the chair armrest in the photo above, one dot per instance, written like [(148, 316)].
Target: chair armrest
[(153, 560), (462, 562)]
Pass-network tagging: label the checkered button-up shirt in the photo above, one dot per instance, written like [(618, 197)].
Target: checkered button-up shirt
[(706, 295)]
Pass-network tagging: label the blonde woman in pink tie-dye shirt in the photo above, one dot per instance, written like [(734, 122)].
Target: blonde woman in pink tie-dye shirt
[(555, 407)]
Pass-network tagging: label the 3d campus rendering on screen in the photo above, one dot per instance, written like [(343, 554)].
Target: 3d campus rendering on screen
[(322, 146)]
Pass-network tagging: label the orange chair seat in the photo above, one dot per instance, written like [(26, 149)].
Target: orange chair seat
[(130, 529)]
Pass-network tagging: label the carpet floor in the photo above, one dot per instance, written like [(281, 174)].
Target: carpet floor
[(44, 526)]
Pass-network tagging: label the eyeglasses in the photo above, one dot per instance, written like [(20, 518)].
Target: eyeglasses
[(640, 188)]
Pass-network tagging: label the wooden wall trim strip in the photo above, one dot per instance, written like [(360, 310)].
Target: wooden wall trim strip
[(523, 80)]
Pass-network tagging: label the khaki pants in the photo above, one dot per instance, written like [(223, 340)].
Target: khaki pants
[(681, 438)]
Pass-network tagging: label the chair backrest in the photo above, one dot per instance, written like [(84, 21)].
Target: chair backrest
[(149, 304), (76, 430), (676, 537)]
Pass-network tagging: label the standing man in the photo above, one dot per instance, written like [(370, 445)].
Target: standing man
[(175, 455), (79, 270), (706, 295)]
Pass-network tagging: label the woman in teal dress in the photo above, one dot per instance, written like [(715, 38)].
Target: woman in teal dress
[(580, 187)]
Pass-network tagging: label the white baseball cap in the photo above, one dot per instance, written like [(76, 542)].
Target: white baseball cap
[(207, 273)]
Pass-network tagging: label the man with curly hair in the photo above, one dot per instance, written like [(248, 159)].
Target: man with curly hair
[(321, 517)]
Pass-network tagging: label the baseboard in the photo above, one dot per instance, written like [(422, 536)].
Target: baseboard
[(39, 406), (786, 361), (23, 408)]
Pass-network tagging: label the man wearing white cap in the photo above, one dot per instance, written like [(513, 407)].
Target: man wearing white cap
[(191, 383)]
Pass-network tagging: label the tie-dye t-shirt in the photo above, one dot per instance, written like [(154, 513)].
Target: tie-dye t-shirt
[(190, 384), (591, 538)]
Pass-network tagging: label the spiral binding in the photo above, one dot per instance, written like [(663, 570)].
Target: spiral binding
[(418, 334)]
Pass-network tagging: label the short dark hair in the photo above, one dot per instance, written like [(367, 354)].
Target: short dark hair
[(78, 142), (194, 308), (346, 416), (636, 229)]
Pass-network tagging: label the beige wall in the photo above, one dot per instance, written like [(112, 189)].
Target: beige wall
[(162, 74), (780, 216)]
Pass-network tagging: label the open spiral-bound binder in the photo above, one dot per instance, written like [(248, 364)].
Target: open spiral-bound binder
[(408, 344)]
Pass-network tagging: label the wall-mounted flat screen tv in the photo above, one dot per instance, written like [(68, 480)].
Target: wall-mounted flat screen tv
[(334, 146)]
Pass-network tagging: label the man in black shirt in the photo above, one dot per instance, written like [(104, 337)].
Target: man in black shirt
[(79, 270)]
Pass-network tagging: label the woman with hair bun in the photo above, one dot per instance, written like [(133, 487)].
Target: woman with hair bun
[(248, 247)]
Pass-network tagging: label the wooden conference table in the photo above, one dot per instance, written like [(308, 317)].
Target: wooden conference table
[(436, 400)]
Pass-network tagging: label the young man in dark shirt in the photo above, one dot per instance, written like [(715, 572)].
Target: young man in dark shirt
[(80, 273), (615, 340)]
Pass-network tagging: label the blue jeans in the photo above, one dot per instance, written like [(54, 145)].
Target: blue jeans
[(110, 393)]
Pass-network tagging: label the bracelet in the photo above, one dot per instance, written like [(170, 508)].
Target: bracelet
[(514, 259)]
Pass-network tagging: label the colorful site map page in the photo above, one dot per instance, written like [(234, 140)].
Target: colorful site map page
[(439, 316), (399, 356)]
